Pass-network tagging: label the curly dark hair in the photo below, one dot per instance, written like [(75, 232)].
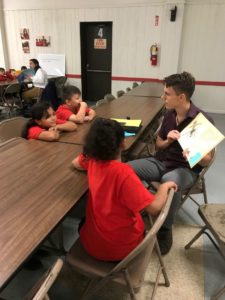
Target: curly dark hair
[(69, 91), (181, 83), (103, 139)]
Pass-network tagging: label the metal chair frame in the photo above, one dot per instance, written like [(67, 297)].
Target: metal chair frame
[(11, 96), (199, 186), (209, 230)]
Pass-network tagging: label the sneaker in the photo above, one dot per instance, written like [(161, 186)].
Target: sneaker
[(165, 239)]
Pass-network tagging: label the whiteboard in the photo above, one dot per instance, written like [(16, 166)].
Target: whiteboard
[(53, 64)]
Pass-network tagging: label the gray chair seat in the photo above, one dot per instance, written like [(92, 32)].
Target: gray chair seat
[(213, 216)]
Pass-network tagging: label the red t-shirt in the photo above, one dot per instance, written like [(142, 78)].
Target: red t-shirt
[(113, 225), (34, 132), (63, 112), (3, 77)]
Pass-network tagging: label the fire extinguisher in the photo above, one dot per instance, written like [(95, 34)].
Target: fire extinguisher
[(154, 54)]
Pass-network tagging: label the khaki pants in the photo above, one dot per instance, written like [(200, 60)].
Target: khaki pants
[(29, 95)]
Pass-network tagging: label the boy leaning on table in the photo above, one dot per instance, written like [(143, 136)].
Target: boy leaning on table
[(74, 108)]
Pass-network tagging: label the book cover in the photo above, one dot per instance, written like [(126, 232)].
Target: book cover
[(199, 138)]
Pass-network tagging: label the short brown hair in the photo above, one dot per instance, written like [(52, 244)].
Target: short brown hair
[(181, 83)]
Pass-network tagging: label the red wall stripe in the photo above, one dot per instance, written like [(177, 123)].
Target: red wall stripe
[(120, 78)]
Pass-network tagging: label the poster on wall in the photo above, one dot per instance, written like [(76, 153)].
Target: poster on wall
[(24, 34), (26, 47), (43, 41)]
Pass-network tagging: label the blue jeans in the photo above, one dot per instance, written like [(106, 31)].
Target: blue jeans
[(150, 169)]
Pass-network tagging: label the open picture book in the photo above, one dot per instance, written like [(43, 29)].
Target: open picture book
[(199, 138)]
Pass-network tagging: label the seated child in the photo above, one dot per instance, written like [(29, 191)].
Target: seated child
[(4, 76), (113, 226), (11, 74), (44, 125), (74, 109)]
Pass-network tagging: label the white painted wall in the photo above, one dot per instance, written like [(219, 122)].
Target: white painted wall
[(187, 44), (202, 50)]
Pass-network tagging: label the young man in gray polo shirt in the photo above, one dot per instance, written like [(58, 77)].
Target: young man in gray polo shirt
[(169, 163)]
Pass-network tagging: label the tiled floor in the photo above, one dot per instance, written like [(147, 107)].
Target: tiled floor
[(214, 265)]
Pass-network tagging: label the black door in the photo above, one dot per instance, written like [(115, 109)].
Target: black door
[(96, 59)]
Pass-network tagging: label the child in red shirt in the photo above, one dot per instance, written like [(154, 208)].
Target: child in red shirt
[(3, 76), (113, 226), (9, 75), (74, 109), (44, 125)]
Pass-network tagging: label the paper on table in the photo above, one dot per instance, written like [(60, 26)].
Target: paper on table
[(199, 138), (127, 122)]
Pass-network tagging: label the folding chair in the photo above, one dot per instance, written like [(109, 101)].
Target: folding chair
[(59, 83), (135, 84), (11, 128), (128, 272), (213, 216), (109, 97), (199, 186), (11, 97), (146, 147), (40, 290), (120, 93), (101, 102)]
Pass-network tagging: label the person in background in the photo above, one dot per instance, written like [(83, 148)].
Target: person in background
[(113, 225), (23, 76), (39, 81), (44, 125), (169, 162), (4, 76), (74, 108), (11, 74)]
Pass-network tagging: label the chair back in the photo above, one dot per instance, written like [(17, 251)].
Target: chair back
[(13, 88), (101, 102), (135, 84), (40, 290), (138, 259), (49, 95), (59, 83), (120, 93), (11, 96), (199, 186), (205, 169), (11, 128), (109, 97)]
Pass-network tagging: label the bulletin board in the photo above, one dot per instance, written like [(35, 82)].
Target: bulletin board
[(53, 64)]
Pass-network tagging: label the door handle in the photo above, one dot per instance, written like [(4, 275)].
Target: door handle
[(98, 71)]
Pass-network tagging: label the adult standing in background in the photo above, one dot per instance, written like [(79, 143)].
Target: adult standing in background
[(39, 81)]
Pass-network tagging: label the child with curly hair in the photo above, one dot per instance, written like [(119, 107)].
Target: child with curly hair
[(113, 226)]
